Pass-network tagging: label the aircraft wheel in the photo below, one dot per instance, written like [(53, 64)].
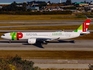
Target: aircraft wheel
[(44, 42), (9, 41)]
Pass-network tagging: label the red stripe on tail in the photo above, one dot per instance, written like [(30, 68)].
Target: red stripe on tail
[(86, 25)]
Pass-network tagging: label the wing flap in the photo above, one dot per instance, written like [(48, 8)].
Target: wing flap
[(47, 39)]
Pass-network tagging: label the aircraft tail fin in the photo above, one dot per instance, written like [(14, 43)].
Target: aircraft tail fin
[(83, 28)]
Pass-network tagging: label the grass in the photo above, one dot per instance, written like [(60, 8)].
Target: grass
[(10, 24), (63, 69), (48, 54), (38, 17), (70, 27)]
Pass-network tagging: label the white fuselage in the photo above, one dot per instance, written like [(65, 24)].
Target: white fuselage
[(51, 35), (44, 35)]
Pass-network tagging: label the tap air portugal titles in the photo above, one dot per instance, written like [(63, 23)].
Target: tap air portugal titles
[(33, 37)]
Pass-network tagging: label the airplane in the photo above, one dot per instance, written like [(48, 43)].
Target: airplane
[(33, 37)]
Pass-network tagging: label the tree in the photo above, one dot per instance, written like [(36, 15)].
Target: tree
[(13, 6)]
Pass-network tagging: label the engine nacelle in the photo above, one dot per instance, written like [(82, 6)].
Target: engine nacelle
[(32, 41)]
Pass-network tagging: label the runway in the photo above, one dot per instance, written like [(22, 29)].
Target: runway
[(40, 23), (62, 63), (43, 22), (79, 45)]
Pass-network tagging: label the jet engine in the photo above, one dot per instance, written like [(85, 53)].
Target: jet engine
[(32, 41)]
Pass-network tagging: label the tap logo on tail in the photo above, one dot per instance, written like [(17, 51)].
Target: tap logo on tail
[(84, 26)]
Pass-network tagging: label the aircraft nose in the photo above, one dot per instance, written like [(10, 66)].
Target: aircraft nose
[(2, 36), (6, 36)]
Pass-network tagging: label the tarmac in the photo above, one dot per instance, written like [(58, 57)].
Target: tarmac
[(77, 45)]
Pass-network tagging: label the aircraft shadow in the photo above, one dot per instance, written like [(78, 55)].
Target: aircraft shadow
[(62, 41), (38, 44)]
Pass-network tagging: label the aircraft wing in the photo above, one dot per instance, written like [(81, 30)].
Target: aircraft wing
[(47, 39)]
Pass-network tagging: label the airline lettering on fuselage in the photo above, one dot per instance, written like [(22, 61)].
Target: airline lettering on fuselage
[(56, 33), (61, 34), (67, 35), (31, 34)]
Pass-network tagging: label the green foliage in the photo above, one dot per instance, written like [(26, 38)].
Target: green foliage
[(80, 16), (83, 15), (16, 63), (35, 13)]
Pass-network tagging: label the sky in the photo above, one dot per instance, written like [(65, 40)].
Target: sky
[(54, 1)]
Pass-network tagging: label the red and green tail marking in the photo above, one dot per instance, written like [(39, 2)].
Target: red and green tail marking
[(84, 26)]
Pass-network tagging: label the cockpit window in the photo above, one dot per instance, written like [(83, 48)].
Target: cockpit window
[(3, 34)]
